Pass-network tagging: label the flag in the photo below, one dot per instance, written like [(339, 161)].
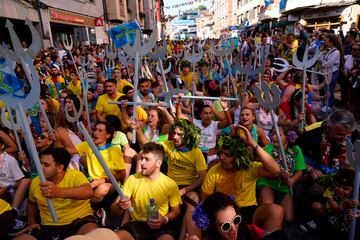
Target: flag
[(124, 34), (282, 4), (268, 3), (10, 84)]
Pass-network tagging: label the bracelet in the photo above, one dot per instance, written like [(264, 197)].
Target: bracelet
[(166, 219), (308, 170), (256, 147), (226, 109)]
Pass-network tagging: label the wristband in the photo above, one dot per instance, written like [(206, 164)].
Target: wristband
[(226, 109), (166, 219)]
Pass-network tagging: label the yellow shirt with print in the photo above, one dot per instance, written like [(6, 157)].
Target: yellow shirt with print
[(102, 105), (75, 88), (121, 84), (141, 189), (67, 209), (183, 166), (113, 158), (5, 206), (240, 184)]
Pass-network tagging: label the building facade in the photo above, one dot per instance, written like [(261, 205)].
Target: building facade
[(205, 25), (183, 26), (82, 19)]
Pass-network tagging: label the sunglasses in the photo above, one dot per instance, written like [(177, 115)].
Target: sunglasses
[(226, 226)]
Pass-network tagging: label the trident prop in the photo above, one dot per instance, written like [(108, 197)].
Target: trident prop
[(271, 101), (101, 160), (306, 63), (27, 102), (194, 58), (226, 53), (137, 51), (13, 127), (353, 155), (248, 70)]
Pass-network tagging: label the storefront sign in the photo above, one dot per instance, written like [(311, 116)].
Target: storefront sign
[(99, 22), (70, 18)]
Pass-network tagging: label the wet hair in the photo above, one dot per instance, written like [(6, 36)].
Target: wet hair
[(215, 203), (60, 155), (155, 148), (342, 117)]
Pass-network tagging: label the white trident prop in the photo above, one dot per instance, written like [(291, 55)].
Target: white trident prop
[(271, 101), (226, 53), (27, 102), (353, 156), (306, 63), (193, 58), (137, 51)]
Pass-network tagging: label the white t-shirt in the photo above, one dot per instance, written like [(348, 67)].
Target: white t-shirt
[(10, 171), (208, 135)]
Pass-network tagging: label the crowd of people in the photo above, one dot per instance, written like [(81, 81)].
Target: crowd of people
[(214, 168)]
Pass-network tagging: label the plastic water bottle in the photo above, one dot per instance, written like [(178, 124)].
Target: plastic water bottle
[(152, 209)]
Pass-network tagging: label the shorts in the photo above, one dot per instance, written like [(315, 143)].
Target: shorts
[(278, 195), (63, 231), (247, 213), (141, 231)]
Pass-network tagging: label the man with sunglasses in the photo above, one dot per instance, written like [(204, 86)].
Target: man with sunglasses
[(235, 174)]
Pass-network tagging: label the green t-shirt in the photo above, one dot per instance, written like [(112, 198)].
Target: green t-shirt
[(119, 139), (295, 162)]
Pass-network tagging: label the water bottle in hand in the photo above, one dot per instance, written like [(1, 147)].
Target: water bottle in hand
[(152, 210)]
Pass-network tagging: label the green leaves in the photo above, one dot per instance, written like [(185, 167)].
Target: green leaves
[(238, 148), (192, 134)]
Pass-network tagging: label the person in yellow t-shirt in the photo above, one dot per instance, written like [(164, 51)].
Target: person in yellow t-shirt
[(139, 189), (236, 176), (113, 157), (187, 167), (121, 83), (288, 47), (75, 84), (70, 193), (7, 218), (186, 74), (126, 113), (103, 107)]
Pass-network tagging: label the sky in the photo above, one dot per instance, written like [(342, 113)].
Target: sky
[(175, 11)]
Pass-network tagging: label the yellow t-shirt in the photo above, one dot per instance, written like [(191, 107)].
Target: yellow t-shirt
[(2, 104), (240, 184), (56, 104), (75, 88), (67, 209), (183, 166), (113, 158), (141, 115), (4, 206), (188, 79), (121, 84), (102, 105), (141, 189)]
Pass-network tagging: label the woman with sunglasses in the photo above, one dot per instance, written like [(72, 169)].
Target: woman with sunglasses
[(220, 218)]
